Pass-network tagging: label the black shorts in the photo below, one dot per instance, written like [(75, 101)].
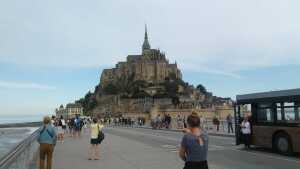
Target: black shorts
[(64, 127), (94, 141), (196, 165)]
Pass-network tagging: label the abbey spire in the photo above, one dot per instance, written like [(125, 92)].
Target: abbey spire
[(146, 44)]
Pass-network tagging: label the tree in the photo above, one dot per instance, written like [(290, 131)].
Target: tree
[(124, 84), (175, 100), (110, 89), (202, 89)]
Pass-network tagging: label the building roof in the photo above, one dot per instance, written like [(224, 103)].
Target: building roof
[(291, 93), (73, 105), (146, 44)]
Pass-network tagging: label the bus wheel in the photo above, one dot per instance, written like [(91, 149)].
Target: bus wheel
[(283, 144)]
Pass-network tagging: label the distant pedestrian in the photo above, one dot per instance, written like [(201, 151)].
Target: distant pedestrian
[(71, 127), (64, 124), (177, 121), (202, 121), (184, 122), (194, 145), (47, 141), (229, 123), (60, 131), (77, 125), (246, 131), (96, 129), (216, 123)]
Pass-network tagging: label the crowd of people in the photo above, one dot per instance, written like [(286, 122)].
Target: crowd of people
[(193, 149), (54, 130)]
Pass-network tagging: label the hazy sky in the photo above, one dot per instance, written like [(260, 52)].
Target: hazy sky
[(53, 51)]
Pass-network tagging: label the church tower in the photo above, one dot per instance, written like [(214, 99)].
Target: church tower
[(146, 44)]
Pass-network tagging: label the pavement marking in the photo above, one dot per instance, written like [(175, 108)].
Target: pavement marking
[(227, 148)]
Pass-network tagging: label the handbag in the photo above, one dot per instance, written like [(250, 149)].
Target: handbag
[(101, 135)]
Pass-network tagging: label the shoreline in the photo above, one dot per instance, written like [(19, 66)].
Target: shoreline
[(25, 124)]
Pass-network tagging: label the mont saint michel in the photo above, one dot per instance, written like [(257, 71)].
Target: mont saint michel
[(148, 84)]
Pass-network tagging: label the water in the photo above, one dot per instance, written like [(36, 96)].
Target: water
[(4, 119), (10, 137)]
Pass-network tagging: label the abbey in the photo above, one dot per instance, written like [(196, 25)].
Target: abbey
[(150, 66)]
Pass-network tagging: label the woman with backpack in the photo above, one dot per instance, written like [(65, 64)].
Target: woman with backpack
[(47, 140), (97, 137), (194, 145)]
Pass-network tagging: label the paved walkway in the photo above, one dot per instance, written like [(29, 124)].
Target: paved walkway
[(116, 153)]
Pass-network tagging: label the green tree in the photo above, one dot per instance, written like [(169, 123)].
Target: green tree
[(111, 89), (202, 89), (175, 100)]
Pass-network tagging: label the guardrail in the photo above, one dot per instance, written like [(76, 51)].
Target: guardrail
[(22, 155), (207, 125)]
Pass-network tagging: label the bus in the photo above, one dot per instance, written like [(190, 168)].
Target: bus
[(274, 118)]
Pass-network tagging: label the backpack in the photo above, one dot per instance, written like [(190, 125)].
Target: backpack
[(101, 135), (48, 132), (77, 123)]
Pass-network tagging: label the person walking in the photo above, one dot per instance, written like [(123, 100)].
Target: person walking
[(77, 125), (95, 141), (246, 131), (229, 123), (47, 141), (61, 129), (194, 145), (216, 123)]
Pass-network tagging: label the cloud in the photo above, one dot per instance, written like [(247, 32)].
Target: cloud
[(17, 85), (203, 69), (222, 37)]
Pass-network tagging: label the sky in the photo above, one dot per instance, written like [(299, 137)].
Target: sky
[(52, 52)]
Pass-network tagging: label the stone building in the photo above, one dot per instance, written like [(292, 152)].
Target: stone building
[(73, 109), (150, 66), (61, 111), (70, 111)]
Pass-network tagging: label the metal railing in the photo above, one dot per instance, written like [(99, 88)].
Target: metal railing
[(22, 155)]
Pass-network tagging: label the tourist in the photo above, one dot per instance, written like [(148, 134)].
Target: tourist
[(95, 128), (184, 122), (168, 121), (60, 131), (216, 123), (71, 127), (179, 121), (77, 126), (53, 121), (194, 145), (229, 123), (47, 141), (246, 131), (202, 121)]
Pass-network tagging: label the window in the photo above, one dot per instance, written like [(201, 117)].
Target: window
[(265, 115), (279, 113), (289, 114)]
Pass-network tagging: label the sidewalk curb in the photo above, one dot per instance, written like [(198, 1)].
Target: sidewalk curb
[(177, 130)]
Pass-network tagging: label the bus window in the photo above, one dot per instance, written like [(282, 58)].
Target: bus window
[(291, 112), (279, 112), (265, 113)]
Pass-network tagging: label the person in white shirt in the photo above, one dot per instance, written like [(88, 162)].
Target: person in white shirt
[(246, 131)]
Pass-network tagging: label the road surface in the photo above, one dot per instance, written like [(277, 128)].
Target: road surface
[(136, 148)]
